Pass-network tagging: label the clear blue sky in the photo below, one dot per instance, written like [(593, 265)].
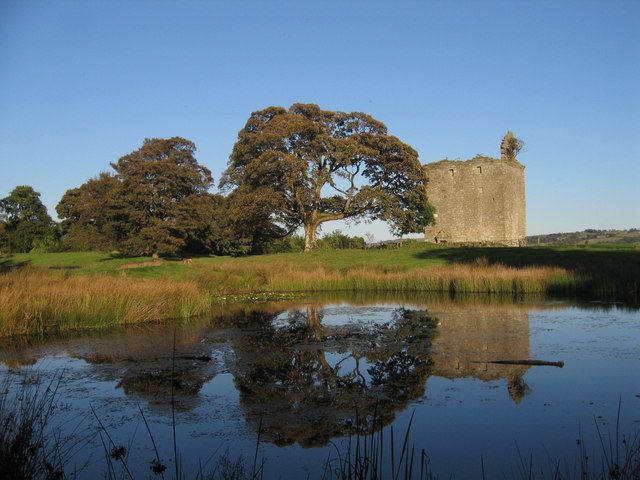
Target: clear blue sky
[(82, 83)]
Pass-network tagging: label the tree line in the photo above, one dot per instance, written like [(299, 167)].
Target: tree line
[(290, 170)]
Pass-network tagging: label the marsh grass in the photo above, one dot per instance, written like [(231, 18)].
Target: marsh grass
[(368, 456), (616, 456), (377, 455), (39, 301), (69, 291), (454, 279)]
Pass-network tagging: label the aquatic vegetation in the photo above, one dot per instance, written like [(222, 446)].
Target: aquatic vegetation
[(29, 449)]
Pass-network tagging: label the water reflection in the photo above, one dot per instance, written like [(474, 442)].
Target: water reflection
[(471, 337), (305, 373), (305, 381)]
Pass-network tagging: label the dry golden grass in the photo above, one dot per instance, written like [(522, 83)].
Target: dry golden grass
[(468, 278), (37, 300)]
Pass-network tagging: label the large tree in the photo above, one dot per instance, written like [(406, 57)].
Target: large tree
[(27, 224), (157, 180), (313, 166), (157, 202), (89, 213)]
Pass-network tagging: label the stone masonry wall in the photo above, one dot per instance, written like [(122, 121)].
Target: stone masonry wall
[(477, 201)]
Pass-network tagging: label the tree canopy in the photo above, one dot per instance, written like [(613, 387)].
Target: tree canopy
[(25, 222), (157, 202), (88, 213), (311, 166)]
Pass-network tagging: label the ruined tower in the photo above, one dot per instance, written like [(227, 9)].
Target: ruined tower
[(480, 200)]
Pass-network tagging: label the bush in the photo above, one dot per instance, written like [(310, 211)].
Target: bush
[(337, 240), (293, 243)]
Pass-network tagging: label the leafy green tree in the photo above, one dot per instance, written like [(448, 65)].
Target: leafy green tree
[(27, 225), (157, 202), (4, 241), (158, 180), (89, 214), (313, 166), (338, 240), (248, 223)]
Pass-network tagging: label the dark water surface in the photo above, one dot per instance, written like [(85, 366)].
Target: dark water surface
[(303, 369)]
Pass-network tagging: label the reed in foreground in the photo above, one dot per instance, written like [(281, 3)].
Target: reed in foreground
[(29, 448)]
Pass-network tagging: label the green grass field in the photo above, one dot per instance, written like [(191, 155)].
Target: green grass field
[(591, 258), (620, 262)]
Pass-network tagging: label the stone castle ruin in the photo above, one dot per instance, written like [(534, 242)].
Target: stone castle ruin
[(479, 201)]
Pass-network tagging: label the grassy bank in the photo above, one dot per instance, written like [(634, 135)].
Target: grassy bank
[(63, 291)]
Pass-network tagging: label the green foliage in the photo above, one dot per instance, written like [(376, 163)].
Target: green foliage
[(88, 213), (289, 244), (163, 196), (337, 240), (25, 223), (157, 202), (247, 223), (308, 166)]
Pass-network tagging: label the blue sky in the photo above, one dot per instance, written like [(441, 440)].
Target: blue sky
[(82, 83)]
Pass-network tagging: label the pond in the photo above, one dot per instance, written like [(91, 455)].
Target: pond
[(306, 376)]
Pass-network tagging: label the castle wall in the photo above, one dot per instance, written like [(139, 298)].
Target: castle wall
[(477, 201)]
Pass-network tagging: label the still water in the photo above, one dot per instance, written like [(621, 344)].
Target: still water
[(309, 373)]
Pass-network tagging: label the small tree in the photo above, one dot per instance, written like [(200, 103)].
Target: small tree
[(313, 166), (27, 224), (510, 146)]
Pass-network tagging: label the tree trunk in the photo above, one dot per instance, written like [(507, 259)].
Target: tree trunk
[(314, 323), (310, 236)]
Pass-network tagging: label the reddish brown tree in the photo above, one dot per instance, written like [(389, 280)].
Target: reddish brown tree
[(312, 166), (156, 203)]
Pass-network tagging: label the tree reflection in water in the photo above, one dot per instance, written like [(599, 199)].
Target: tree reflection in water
[(306, 381), (304, 376)]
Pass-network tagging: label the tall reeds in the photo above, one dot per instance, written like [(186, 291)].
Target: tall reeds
[(30, 449), (457, 278), (38, 301)]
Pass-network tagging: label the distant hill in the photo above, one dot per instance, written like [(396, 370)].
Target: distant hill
[(589, 236)]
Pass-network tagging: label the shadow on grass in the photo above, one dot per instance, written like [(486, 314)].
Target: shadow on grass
[(9, 264), (606, 272)]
